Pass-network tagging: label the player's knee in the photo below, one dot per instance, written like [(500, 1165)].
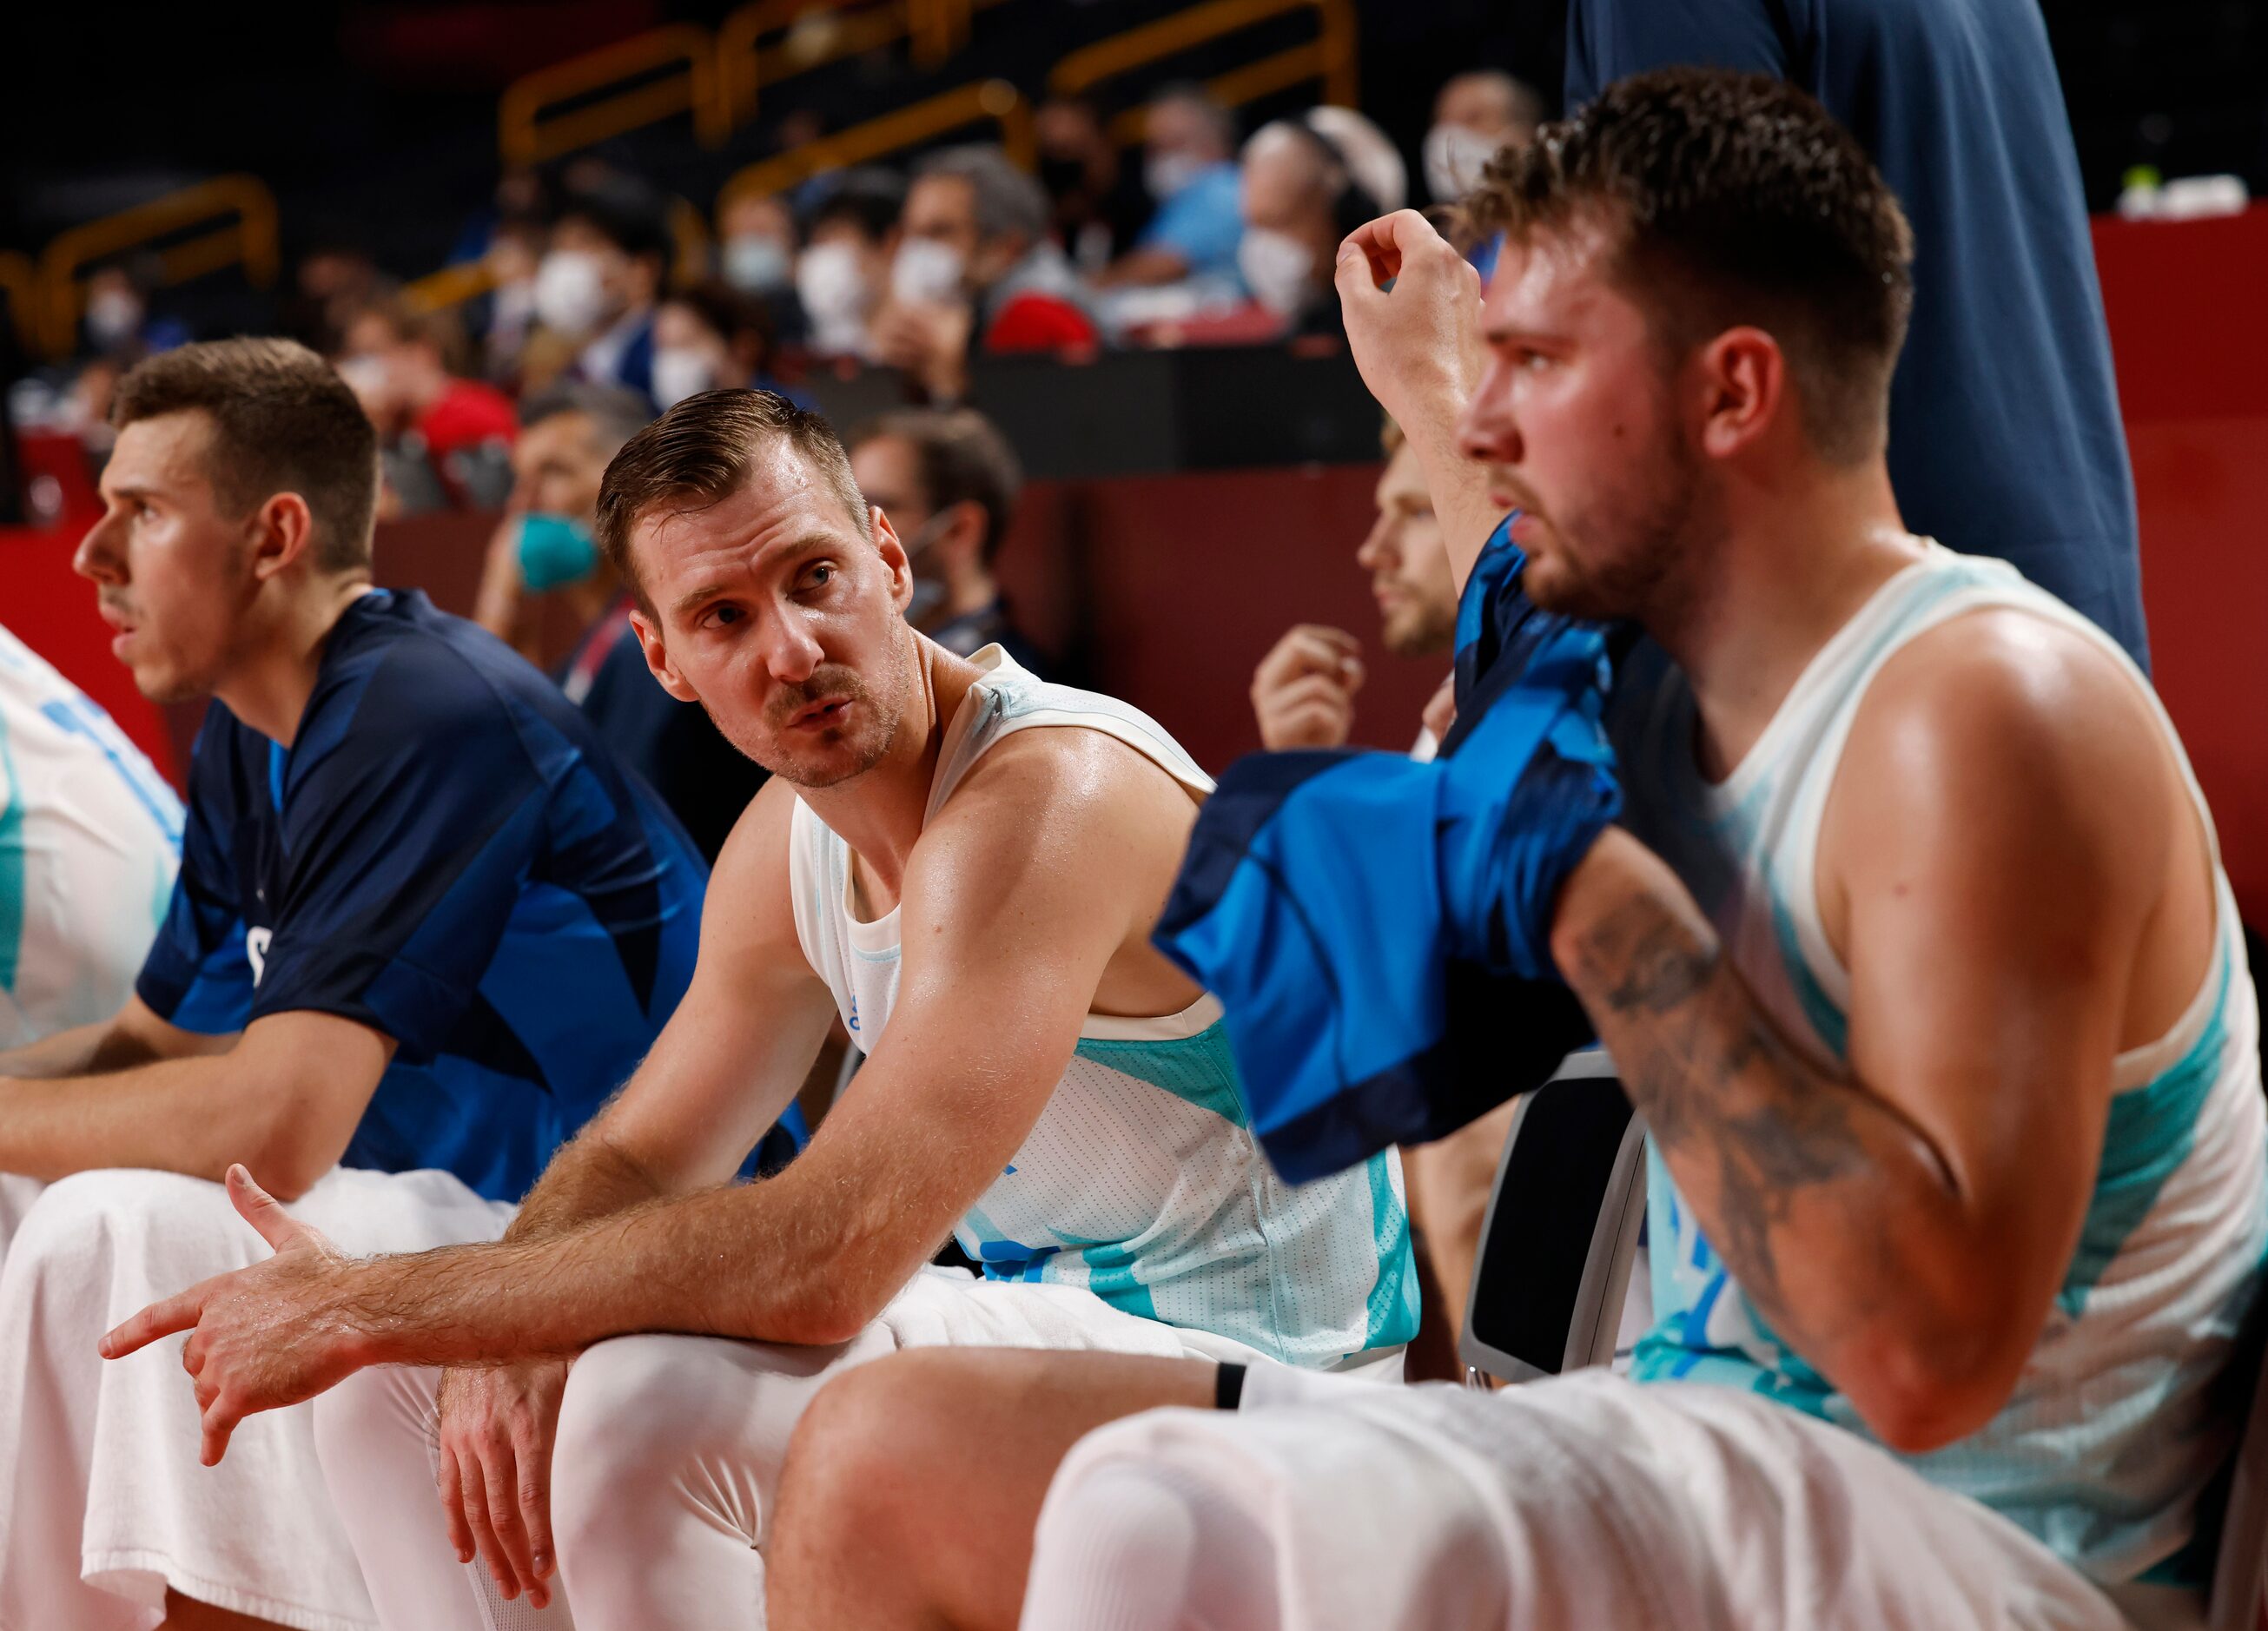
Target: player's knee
[(853, 1454), (367, 1421), (627, 1431), (83, 1223)]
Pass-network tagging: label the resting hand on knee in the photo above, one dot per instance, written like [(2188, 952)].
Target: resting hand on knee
[(496, 1430)]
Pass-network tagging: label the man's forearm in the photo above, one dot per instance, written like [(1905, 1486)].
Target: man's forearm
[(590, 1178), (177, 1115), (84, 1050), (1821, 1199), (742, 1261)]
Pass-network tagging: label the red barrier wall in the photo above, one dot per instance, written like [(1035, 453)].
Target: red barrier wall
[(1173, 586)]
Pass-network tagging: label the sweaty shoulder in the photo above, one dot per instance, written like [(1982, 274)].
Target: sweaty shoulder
[(2002, 729)]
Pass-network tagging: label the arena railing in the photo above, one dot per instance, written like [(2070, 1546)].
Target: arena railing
[(248, 240), (810, 33), (1330, 57), (986, 102), (19, 285), (636, 82)]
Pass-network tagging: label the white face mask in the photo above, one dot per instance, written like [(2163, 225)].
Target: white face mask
[(367, 376), (1277, 268), (756, 263), (832, 286), (570, 292), (1165, 174), (926, 271), (113, 318), (680, 372), (1455, 158)]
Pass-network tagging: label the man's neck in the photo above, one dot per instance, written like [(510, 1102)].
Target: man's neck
[(1790, 571), (269, 690), (879, 814)]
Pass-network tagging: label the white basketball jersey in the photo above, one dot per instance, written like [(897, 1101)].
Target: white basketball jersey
[(89, 839), (1140, 1181)]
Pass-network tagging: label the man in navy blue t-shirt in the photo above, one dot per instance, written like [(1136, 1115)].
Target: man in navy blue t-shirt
[(2005, 433), (424, 927)]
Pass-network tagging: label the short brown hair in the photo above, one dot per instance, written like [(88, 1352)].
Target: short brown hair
[(1736, 199), (282, 421), (962, 458), (702, 451)]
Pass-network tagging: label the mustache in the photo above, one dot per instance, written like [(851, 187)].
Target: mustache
[(831, 679), (1501, 480)]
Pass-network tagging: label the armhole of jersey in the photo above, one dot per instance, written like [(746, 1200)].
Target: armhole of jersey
[(806, 878)]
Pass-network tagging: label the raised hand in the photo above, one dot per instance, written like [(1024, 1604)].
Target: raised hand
[(261, 1337), (1303, 691), (496, 1430), (1418, 343)]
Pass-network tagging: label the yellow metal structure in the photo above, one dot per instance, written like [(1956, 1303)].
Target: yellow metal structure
[(769, 41), (528, 131), (987, 102), (452, 286), (1330, 57), (248, 240), (20, 284)]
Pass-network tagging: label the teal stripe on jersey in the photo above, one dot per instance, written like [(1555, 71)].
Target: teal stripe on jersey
[(12, 866), (2151, 1131), (1394, 1299), (1199, 1069), (1827, 1020)]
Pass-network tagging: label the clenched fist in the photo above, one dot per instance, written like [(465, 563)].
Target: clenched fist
[(1303, 691)]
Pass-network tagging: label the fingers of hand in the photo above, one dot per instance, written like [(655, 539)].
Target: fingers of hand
[(163, 1318), (501, 1466), (221, 1416), (475, 1498), (1309, 649), (261, 1210), (450, 1484)]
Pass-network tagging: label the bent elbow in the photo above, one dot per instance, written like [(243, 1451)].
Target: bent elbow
[(1916, 1396)]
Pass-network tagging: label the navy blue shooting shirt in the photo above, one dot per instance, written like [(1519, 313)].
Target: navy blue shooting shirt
[(2005, 433), (444, 854)]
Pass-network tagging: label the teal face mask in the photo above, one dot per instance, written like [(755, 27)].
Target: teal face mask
[(555, 550)]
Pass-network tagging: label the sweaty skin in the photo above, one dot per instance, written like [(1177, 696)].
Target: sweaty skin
[(1904, 1222), (1026, 904)]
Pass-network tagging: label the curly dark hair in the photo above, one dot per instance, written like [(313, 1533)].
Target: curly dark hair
[(1732, 199)]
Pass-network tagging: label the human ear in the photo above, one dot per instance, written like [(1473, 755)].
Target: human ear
[(283, 532), (658, 660), (1743, 387)]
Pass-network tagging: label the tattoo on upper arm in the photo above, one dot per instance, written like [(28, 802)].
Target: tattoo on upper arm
[(1712, 1076)]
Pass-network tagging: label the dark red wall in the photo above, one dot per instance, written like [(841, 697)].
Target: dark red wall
[(1172, 587)]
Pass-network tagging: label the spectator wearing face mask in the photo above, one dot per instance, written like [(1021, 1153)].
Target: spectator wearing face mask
[(1307, 182), (710, 336), (1098, 203), (756, 244), (546, 548), (1188, 166), (117, 324), (443, 440), (947, 480), (601, 279), (843, 272), (975, 268), (1475, 116)]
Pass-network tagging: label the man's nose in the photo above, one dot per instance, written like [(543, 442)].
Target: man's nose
[(1379, 544), (1489, 431), (95, 558), (791, 652)]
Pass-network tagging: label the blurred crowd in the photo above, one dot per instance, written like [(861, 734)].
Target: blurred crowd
[(1202, 234)]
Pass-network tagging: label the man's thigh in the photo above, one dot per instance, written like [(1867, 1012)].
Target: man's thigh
[(1592, 1501)]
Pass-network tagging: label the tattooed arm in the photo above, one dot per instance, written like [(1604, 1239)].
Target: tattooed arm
[(1905, 1224)]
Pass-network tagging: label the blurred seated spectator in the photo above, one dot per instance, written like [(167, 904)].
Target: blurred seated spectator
[(116, 321), (1475, 116), (507, 313), (713, 336), (1189, 167), (444, 441), (947, 480), (845, 269), (756, 244), (1098, 201), (334, 279), (546, 546), (601, 279), (974, 266), (1308, 182)]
